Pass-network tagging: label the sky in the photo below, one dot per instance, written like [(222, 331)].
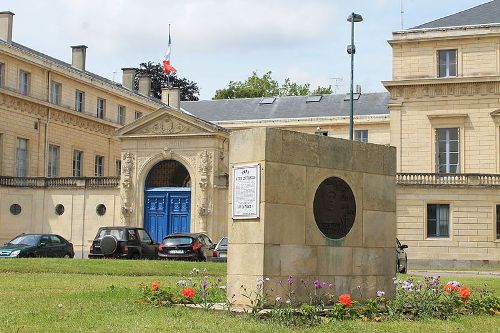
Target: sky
[(216, 41)]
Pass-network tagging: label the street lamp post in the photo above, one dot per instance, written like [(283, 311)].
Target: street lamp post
[(351, 49)]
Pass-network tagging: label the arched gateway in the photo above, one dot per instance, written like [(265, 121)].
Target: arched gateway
[(167, 199), (174, 177)]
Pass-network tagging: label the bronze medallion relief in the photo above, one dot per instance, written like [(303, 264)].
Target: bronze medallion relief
[(334, 208)]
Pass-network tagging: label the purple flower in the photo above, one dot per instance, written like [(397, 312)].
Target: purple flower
[(331, 285), (317, 284), (380, 293), (204, 284), (290, 280)]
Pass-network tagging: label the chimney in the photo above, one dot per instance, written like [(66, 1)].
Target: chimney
[(144, 85), (78, 56), (128, 77), (6, 19), (171, 97)]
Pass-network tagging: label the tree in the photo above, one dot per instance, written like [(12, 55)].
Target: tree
[(159, 80), (265, 86)]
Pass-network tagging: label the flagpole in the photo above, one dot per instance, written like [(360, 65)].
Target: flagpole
[(168, 75)]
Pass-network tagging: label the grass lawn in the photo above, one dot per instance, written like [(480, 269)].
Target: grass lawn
[(55, 295)]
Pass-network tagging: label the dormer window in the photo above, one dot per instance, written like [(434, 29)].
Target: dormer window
[(447, 63)]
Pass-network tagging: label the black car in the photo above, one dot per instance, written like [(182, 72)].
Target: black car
[(123, 242), (186, 246), (402, 263), (219, 253), (37, 245)]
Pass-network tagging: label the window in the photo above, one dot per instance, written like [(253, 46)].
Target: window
[(99, 166), (361, 135), (447, 63), (21, 157), (438, 220), (80, 101), (55, 93), (24, 82), (77, 163), (101, 108), (144, 237), (2, 74), (53, 166), (138, 115), (498, 221), (447, 150), (118, 168), (121, 115)]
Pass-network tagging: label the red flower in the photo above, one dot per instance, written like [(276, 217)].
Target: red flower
[(188, 293), (345, 299), (464, 293), (155, 285), (450, 287)]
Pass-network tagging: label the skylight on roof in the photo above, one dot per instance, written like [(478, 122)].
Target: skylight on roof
[(313, 98), (267, 100), (355, 97)]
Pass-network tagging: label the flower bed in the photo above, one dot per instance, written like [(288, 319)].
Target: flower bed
[(413, 300)]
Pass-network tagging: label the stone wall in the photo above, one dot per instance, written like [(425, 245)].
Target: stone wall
[(285, 240), (472, 241), (79, 222)]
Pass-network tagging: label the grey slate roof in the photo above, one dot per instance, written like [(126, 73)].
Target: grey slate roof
[(487, 13), (61, 63), (287, 107)]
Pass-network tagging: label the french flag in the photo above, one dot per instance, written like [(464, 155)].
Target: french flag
[(167, 68)]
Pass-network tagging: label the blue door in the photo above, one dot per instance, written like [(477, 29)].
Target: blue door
[(167, 210)]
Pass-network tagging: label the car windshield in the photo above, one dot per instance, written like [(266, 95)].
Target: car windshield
[(25, 240), (174, 241), (118, 233), (223, 242)]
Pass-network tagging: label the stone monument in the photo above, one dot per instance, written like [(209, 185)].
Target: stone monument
[(311, 207)]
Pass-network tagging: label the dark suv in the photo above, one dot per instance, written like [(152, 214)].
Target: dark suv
[(123, 242)]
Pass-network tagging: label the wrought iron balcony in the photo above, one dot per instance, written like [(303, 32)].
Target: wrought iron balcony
[(448, 179), (60, 182)]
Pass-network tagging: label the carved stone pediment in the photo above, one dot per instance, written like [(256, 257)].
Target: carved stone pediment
[(168, 122), (168, 125)]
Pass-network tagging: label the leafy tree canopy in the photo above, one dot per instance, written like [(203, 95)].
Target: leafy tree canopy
[(189, 89), (265, 86)]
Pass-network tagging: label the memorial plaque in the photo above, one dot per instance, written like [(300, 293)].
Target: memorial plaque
[(334, 208), (246, 189)]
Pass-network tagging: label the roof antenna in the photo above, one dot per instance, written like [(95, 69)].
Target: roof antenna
[(402, 15)]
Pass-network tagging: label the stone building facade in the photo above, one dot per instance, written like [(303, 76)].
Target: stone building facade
[(445, 97)]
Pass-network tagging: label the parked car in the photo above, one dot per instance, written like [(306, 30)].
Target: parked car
[(219, 253), (186, 246), (123, 242), (37, 245), (402, 262)]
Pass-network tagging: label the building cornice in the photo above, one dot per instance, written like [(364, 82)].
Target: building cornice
[(443, 87), (41, 109), (444, 33)]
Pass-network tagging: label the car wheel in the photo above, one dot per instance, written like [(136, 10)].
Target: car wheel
[(135, 256), (109, 244)]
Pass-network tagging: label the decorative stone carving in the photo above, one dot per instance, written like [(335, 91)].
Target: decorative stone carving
[(205, 159), (168, 125), (127, 168), (167, 152)]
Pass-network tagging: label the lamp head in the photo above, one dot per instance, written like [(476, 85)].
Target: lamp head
[(355, 18)]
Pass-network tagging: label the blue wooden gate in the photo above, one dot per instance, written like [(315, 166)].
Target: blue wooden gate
[(167, 210)]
